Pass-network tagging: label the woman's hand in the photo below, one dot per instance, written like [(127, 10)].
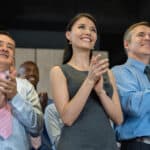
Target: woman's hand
[(98, 67), (99, 86)]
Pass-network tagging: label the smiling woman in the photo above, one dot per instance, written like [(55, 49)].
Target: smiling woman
[(81, 96), (82, 35)]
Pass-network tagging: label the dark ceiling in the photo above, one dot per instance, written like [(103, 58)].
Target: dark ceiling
[(113, 15), (46, 16)]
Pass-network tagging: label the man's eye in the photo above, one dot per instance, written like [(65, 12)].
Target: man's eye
[(141, 34), (1, 43), (10, 47)]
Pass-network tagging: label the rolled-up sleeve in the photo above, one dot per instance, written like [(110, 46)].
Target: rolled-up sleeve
[(26, 107)]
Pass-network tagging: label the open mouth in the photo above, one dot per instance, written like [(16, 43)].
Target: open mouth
[(86, 39), (145, 44), (31, 78), (4, 54)]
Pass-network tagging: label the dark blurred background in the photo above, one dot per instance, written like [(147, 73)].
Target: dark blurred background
[(41, 23)]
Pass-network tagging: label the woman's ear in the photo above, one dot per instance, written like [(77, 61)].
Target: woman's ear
[(68, 35)]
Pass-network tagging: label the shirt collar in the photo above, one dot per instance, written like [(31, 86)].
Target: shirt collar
[(137, 64)]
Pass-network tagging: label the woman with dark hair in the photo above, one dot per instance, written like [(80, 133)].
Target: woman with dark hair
[(84, 91)]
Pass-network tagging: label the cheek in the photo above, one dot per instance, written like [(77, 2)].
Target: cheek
[(95, 38), (94, 41), (11, 54), (136, 44), (74, 39)]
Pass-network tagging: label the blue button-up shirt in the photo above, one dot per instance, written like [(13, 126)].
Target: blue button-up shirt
[(27, 117), (134, 91)]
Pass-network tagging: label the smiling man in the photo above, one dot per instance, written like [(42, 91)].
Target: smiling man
[(20, 111), (29, 70), (134, 89)]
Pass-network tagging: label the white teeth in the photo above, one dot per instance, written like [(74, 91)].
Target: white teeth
[(4, 55), (86, 39), (31, 78)]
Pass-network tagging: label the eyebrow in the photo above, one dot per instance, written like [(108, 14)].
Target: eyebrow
[(85, 24)]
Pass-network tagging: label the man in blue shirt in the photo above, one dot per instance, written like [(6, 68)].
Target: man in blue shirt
[(22, 99), (134, 89)]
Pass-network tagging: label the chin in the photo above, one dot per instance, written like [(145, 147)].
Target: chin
[(87, 47)]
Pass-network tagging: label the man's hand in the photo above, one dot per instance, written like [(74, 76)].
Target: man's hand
[(2, 100), (11, 88), (8, 86)]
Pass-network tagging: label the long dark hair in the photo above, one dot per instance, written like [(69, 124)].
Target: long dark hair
[(68, 50)]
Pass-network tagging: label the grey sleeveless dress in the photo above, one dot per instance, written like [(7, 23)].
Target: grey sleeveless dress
[(92, 129)]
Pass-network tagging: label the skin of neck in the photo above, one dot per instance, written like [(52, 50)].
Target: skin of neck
[(142, 58), (80, 58)]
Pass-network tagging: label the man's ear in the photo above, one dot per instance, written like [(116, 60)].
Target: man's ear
[(68, 35), (126, 44)]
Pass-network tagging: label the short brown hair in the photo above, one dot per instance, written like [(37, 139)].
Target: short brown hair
[(7, 34), (127, 34)]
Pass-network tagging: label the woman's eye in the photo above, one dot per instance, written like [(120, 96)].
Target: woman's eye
[(94, 30), (81, 27), (91, 29)]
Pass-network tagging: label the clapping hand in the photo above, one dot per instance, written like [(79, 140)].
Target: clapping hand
[(98, 67), (8, 85)]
